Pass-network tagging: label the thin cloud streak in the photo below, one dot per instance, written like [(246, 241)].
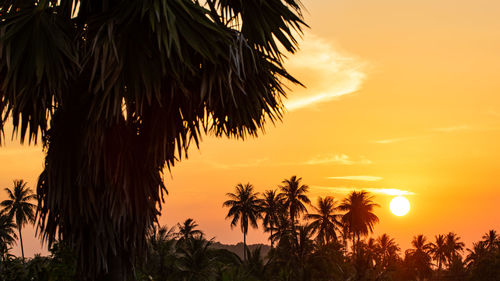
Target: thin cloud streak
[(394, 140), (357, 178), (452, 129), (384, 191), (341, 159), (337, 159), (336, 74)]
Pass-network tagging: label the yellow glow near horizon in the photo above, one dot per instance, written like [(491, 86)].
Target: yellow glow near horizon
[(400, 206)]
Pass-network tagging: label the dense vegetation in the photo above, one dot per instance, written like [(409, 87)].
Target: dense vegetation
[(328, 240)]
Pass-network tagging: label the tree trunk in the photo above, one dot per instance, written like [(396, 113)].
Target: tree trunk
[(271, 238), (21, 240), (244, 246)]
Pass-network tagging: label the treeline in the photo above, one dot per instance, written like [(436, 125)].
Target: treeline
[(325, 241)]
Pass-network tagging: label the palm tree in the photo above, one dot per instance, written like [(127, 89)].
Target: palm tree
[(244, 207), (491, 239), (359, 218), (388, 249), (187, 230), (438, 250), (326, 221), (18, 207), (419, 256), (453, 247), (162, 255), (294, 198), (272, 204), (7, 235), (120, 89)]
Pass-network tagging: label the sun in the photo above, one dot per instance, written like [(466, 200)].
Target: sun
[(399, 206)]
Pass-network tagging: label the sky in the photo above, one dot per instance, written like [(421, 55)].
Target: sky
[(402, 97)]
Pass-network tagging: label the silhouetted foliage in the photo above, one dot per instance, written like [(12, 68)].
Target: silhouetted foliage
[(118, 90)]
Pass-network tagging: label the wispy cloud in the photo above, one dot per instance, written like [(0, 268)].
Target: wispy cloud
[(346, 190), (394, 140), (452, 129), (357, 178), (335, 159), (335, 73), (341, 159)]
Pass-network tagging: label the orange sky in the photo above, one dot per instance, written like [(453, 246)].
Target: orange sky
[(406, 92)]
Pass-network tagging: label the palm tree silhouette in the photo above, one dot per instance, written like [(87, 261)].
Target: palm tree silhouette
[(18, 207), (439, 252), (453, 247), (187, 230), (326, 221), (420, 257), (294, 198), (388, 249), (120, 89), (7, 235), (491, 239), (272, 203), (359, 218), (244, 207)]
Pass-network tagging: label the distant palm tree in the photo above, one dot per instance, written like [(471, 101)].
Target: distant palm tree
[(491, 239), (419, 256), (162, 251), (244, 207), (272, 204), (388, 249), (326, 221), (7, 235), (454, 247), (359, 217), (295, 198), (18, 206), (187, 230), (475, 254), (438, 250)]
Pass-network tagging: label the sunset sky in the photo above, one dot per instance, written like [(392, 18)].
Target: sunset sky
[(400, 95)]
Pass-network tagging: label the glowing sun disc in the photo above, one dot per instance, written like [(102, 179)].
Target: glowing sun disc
[(399, 206)]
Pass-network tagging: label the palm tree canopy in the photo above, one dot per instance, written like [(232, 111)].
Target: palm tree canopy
[(188, 229), (491, 239), (359, 217), (387, 246), (454, 246), (7, 233), (271, 205), (119, 89), (18, 206), (244, 207), (326, 220), (295, 198), (438, 249)]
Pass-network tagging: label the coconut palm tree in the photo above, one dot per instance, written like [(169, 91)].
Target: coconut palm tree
[(18, 206), (439, 252), (419, 256), (244, 208), (294, 198), (326, 221), (388, 249), (359, 218), (161, 254), (491, 239), (272, 203), (7, 235), (454, 247), (187, 230), (118, 90)]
